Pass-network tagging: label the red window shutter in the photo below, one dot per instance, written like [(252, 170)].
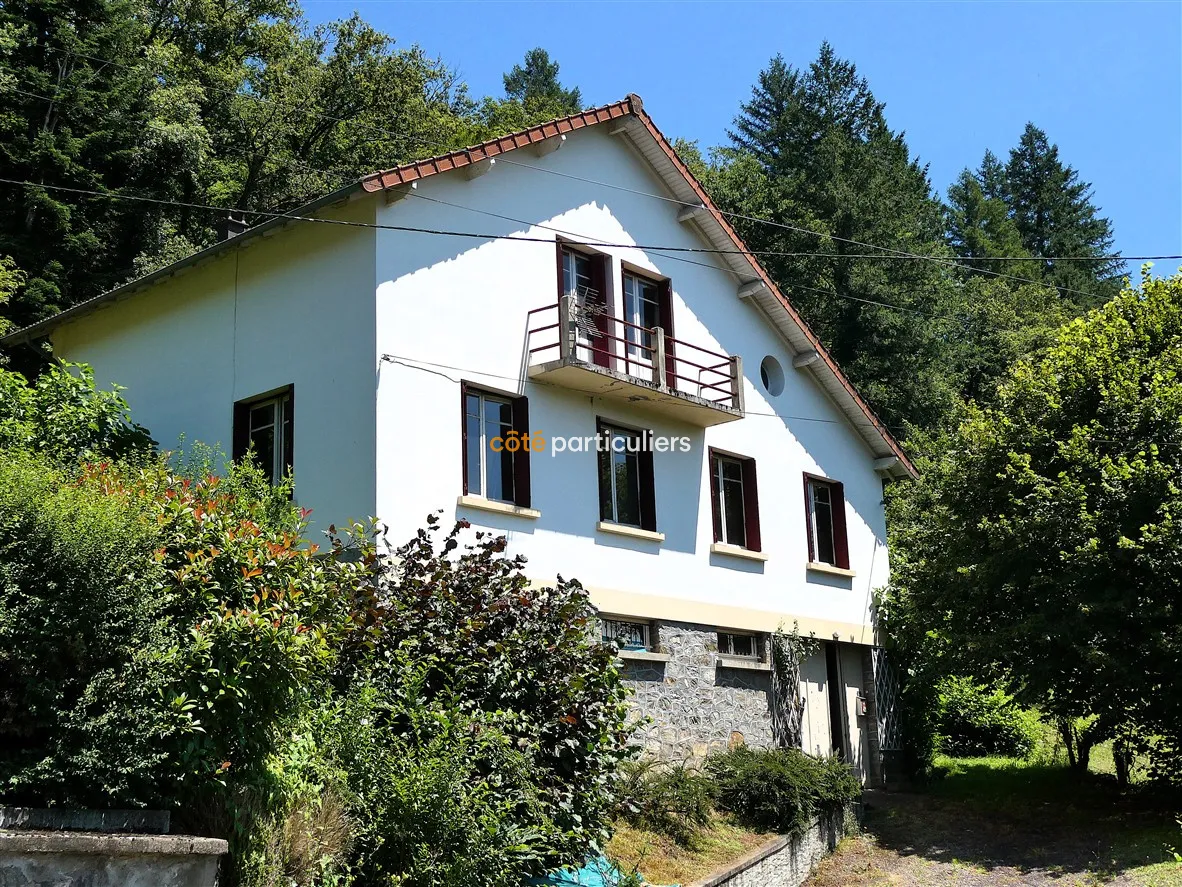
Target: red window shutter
[(648, 486), (751, 506), (521, 493), (464, 420), (841, 546), (241, 430), (665, 309), (715, 497), (808, 520), (600, 275)]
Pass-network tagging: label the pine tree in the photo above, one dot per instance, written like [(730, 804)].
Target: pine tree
[(537, 81), (812, 150), (533, 94), (1053, 212), (979, 223)]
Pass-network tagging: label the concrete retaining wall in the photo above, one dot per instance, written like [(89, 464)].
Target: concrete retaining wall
[(786, 861), (88, 859)]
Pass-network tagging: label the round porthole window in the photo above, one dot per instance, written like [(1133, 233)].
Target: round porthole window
[(771, 374)]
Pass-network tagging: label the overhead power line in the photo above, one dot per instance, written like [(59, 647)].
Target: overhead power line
[(573, 239), (885, 253)]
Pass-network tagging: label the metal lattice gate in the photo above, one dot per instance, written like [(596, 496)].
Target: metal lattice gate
[(886, 698)]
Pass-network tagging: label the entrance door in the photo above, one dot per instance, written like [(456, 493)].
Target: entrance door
[(838, 729)]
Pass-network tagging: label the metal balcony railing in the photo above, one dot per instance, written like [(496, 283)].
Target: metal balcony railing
[(570, 332)]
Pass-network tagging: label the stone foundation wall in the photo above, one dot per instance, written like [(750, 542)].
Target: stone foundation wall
[(697, 704)]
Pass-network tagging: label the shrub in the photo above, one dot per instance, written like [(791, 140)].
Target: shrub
[(523, 660), (781, 790), (973, 721), (80, 718), (671, 799), (64, 416), (439, 798)]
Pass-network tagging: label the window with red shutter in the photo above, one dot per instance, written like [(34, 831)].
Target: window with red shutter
[(824, 501), (734, 500)]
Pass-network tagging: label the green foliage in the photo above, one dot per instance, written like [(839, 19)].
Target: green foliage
[(160, 637), (1053, 213), (80, 721), (522, 659), (975, 721), (438, 797), (812, 150), (1041, 544), (12, 278), (243, 106), (671, 799), (781, 789), (63, 415)]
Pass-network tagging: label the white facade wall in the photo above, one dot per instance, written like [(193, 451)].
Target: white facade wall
[(461, 305), (375, 330), (293, 309)]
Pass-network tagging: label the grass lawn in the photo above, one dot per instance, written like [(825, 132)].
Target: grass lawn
[(1005, 821), (663, 861)]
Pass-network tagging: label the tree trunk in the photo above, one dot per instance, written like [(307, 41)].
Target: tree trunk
[(1068, 735)]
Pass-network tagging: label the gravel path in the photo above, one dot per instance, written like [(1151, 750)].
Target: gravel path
[(920, 840)]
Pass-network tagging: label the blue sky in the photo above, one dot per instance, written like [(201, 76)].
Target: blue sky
[(1103, 79)]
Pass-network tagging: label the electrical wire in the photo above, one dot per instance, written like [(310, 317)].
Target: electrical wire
[(522, 238), (885, 252)]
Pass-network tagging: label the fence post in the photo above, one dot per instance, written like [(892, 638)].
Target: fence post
[(658, 354), (737, 398)]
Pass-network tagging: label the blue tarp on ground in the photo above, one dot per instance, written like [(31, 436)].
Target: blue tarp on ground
[(597, 871)]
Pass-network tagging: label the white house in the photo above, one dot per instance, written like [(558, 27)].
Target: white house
[(708, 472)]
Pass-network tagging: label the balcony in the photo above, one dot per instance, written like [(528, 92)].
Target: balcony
[(575, 346)]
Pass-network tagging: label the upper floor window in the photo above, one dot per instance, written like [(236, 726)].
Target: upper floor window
[(734, 500), (642, 308), (496, 462), (825, 513), (264, 426), (583, 277), (626, 484)]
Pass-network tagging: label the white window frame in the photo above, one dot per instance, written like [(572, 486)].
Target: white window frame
[(483, 444), (816, 539), (279, 436), (614, 431), (719, 458), (639, 344)]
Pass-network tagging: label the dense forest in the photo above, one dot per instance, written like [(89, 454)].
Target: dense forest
[(247, 107)]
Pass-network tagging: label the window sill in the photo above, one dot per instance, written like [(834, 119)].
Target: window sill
[(632, 532), (642, 656), (742, 663), (736, 551), (498, 507), (817, 567)]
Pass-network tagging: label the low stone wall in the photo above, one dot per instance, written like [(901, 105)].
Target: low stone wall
[(88, 859), (786, 861)]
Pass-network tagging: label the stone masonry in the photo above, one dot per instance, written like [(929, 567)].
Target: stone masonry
[(695, 702)]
